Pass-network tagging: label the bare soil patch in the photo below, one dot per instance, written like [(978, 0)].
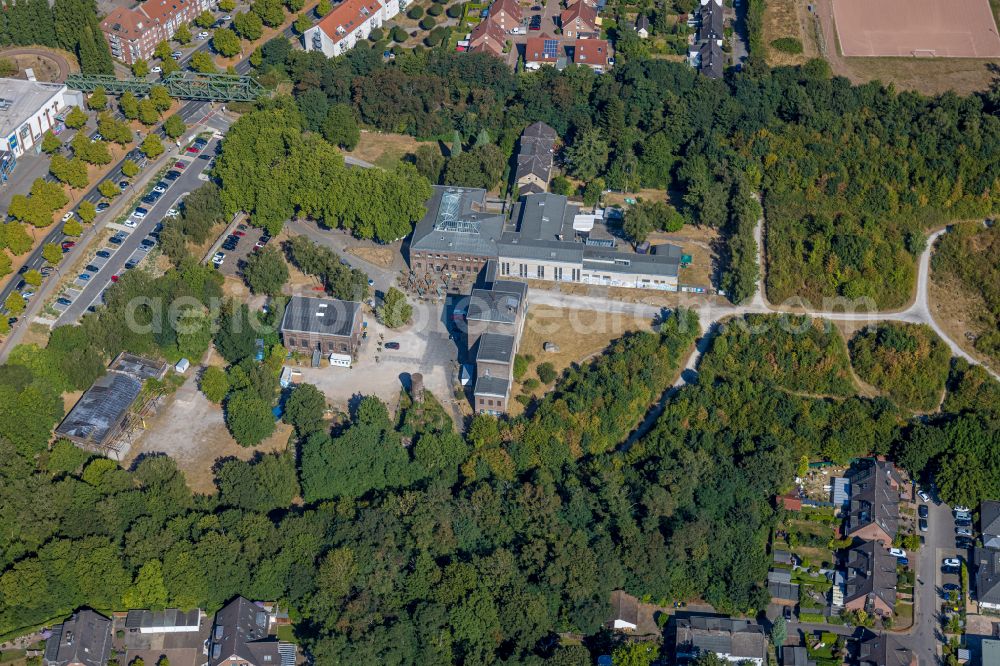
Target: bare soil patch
[(378, 256), (957, 311), (787, 18), (383, 149)]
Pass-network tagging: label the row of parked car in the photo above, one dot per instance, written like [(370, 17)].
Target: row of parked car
[(232, 241)]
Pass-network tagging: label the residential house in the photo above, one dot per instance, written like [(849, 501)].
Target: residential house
[(989, 523), (711, 60), (580, 21), (783, 591), (82, 640), (241, 636), (547, 238), (987, 576), (594, 53), (322, 327), (712, 17), (349, 23), (874, 507), (535, 158), (28, 109), (735, 640), (495, 321), (885, 650), (625, 609), (871, 579), (796, 656), (642, 26), (488, 37), (457, 235), (543, 50), (133, 33), (506, 14)]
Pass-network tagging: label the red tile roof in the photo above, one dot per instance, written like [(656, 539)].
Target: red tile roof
[(348, 16), (593, 52), (488, 37), (534, 49), (127, 23), (162, 11), (509, 7), (584, 15)]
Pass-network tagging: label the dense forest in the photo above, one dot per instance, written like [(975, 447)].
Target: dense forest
[(66, 24), (851, 176), (968, 254), (909, 362)]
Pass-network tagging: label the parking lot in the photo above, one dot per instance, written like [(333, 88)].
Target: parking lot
[(133, 238), (245, 239)]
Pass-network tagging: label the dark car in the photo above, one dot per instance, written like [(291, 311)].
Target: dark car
[(123, 185), (103, 206), (147, 242), (172, 175), (922, 523), (91, 268), (964, 544), (392, 345), (923, 511), (963, 523), (129, 265), (204, 157), (150, 199), (950, 587), (117, 240), (64, 301)]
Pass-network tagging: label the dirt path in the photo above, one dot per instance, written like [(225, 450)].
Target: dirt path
[(62, 62)]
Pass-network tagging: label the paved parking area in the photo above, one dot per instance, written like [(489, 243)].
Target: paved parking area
[(234, 261)]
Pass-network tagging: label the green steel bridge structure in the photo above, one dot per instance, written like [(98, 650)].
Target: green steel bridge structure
[(181, 85)]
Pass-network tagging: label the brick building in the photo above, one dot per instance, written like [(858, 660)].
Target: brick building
[(322, 327), (495, 322), (133, 34)]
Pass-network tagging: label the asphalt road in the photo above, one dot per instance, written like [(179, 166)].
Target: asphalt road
[(129, 249)]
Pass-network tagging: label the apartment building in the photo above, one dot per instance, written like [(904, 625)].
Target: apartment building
[(133, 34), (349, 23), (495, 322)]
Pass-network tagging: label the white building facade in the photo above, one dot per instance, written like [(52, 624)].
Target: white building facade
[(349, 23), (28, 109)]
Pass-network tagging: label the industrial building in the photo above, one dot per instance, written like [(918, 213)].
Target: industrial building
[(30, 108), (322, 327), (495, 322)]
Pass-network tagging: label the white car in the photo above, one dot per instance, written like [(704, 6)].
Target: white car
[(219, 258), (156, 70), (924, 497), (139, 213), (227, 17), (951, 562), (176, 55), (963, 531), (960, 509), (173, 212), (67, 217), (130, 223), (897, 552), (202, 35)]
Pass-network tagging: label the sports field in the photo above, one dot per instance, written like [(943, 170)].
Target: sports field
[(918, 28)]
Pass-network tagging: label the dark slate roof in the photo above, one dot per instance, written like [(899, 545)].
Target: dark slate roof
[(883, 650), (519, 289), (739, 638), (492, 386), (642, 22), (85, 639), (989, 522), (101, 408), (241, 628), (712, 60), (536, 153), (779, 584), (625, 607), (796, 656), (987, 561), (873, 497), (540, 220), (666, 261), (458, 222), (139, 367), (164, 619), (712, 19), (323, 316), (493, 306), (495, 347), (871, 571)]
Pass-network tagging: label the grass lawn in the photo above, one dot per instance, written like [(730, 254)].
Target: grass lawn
[(286, 632), (904, 616)]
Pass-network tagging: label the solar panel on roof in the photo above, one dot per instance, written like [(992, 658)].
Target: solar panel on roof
[(550, 48)]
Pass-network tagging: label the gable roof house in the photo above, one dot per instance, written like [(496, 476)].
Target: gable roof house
[(241, 634), (487, 37), (987, 573), (594, 53), (732, 639), (989, 523), (535, 158), (712, 21), (874, 508), (82, 640), (580, 21), (506, 13), (625, 610), (711, 60), (642, 26), (543, 50), (884, 650), (871, 579)]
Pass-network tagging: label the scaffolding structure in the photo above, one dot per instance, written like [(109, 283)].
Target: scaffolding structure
[(182, 85), (122, 436)]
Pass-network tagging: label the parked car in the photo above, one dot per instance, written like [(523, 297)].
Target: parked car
[(140, 213), (129, 265), (964, 543), (176, 54), (392, 345), (147, 242), (173, 212), (156, 70), (239, 233), (202, 35), (960, 509), (922, 523), (83, 277), (897, 552), (193, 149), (227, 17), (46, 271), (151, 198), (102, 206), (963, 523), (117, 240), (67, 217), (161, 187), (180, 165), (172, 175), (951, 587), (123, 185), (219, 258), (91, 268), (951, 562), (923, 511), (902, 561), (67, 245), (132, 224), (242, 227), (963, 531), (64, 301), (371, 283)]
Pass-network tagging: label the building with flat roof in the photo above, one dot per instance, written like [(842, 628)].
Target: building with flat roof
[(349, 23), (495, 321), (457, 235), (990, 652), (82, 640), (30, 108), (133, 33), (322, 327), (169, 621), (549, 239)]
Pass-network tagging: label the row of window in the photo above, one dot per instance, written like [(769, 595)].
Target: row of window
[(489, 402), (557, 272), (330, 346)]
